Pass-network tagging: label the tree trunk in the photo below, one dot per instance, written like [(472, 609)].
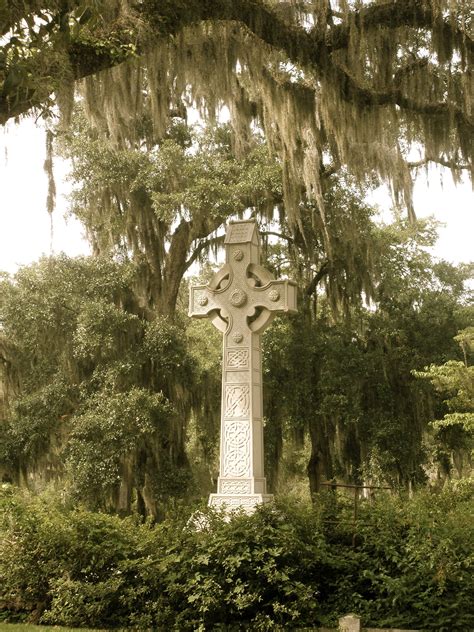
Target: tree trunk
[(320, 465)]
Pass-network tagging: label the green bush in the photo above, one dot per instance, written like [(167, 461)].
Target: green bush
[(420, 562), (405, 564), (106, 431)]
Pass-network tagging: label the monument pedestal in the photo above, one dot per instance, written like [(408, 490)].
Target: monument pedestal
[(241, 300), (231, 501), (240, 492)]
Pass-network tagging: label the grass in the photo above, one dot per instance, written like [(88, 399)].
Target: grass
[(28, 627)]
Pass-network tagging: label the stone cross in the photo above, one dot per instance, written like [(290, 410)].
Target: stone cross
[(241, 300)]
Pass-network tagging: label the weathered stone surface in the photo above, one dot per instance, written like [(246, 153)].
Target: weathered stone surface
[(349, 623), (241, 301)]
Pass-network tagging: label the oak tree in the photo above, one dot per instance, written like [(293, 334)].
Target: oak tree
[(331, 83)]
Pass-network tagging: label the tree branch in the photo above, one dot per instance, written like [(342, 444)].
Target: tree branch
[(395, 14), (13, 12), (203, 245), (353, 92), (322, 272), (441, 161), (310, 49), (287, 238)]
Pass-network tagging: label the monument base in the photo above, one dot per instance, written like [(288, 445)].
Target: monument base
[(247, 502)]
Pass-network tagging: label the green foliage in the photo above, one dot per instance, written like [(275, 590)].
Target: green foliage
[(36, 417), (166, 347), (47, 543), (29, 627), (101, 395), (206, 179), (419, 561), (105, 430), (455, 381), (404, 564), (190, 174), (348, 382), (102, 330), (40, 309), (205, 347)]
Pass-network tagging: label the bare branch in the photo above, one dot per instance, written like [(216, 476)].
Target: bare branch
[(322, 272), (353, 92), (203, 245), (439, 160), (287, 238)]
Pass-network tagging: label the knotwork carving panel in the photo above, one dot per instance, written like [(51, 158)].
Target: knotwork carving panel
[(237, 448), (238, 501), (237, 358), (237, 400), (235, 487), (247, 502)]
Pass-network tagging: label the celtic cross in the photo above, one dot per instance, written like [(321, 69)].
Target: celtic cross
[(241, 300)]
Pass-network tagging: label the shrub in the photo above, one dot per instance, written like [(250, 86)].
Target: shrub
[(405, 564)]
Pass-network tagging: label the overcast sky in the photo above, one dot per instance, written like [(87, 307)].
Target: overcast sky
[(25, 227)]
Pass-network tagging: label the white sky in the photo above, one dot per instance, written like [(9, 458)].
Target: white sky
[(25, 227)]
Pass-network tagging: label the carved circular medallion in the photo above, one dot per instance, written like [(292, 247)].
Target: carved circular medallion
[(237, 337), (238, 255), (274, 295), (202, 300), (238, 297)]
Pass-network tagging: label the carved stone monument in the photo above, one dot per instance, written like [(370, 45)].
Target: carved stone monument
[(241, 300)]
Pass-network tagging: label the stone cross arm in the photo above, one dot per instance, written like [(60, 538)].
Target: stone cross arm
[(252, 292)]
